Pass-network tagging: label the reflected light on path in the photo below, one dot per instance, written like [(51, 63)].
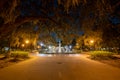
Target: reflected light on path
[(53, 55), (74, 55), (45, 55)]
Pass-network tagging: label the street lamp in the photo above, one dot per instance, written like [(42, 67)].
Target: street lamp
[(41, 44), (91, 41), (27, 41), (38, 47), (23, 45)]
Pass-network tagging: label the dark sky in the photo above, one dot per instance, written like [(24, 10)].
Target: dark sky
[(36, 7), (58, 14)]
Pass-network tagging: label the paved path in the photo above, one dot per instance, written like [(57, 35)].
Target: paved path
[(60, 67)]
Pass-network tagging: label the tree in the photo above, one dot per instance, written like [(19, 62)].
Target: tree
[(92, 14), (111, 37)]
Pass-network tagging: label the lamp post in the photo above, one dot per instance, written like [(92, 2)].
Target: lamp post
[(59, 50), (23, 45), (92, 43), (27, 41)]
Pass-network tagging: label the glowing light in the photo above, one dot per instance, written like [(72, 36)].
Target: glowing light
[(38, 46), (45, 55), (42, 55), (23, 45), (50, 55), (91, 41), (74, 55), (77, 55), (50, 47), (27, 41), (77, 44), (41, 44), (70, 46)]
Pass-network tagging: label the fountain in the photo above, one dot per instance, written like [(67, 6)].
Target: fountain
[(59, 49), (67, 49)]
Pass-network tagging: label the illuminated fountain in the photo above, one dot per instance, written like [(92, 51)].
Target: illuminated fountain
[(67, 49), (59, 49)]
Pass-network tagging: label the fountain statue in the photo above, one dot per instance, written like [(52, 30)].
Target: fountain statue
[(59, 48)]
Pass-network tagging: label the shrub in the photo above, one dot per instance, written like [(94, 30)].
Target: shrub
[(101, 55), (19, 54)]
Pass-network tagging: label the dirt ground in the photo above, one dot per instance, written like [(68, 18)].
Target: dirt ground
[(5, 63), (8, 62), (113, 62)]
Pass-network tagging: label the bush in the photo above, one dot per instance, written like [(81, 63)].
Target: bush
[(19, 54), (101, 55)]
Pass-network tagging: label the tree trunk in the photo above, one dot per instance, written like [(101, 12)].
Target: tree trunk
[(8, 54)]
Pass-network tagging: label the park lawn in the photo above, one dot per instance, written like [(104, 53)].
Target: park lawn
[(20, 54), (106, 57), (101, 54), (16, 56)]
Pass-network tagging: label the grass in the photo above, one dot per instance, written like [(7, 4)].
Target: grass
[(101, 55), (19, 54), (16, 56), (106, 57), (78, 51)]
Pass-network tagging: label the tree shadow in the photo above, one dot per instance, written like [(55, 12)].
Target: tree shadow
[(114, 58), (3, 58)]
